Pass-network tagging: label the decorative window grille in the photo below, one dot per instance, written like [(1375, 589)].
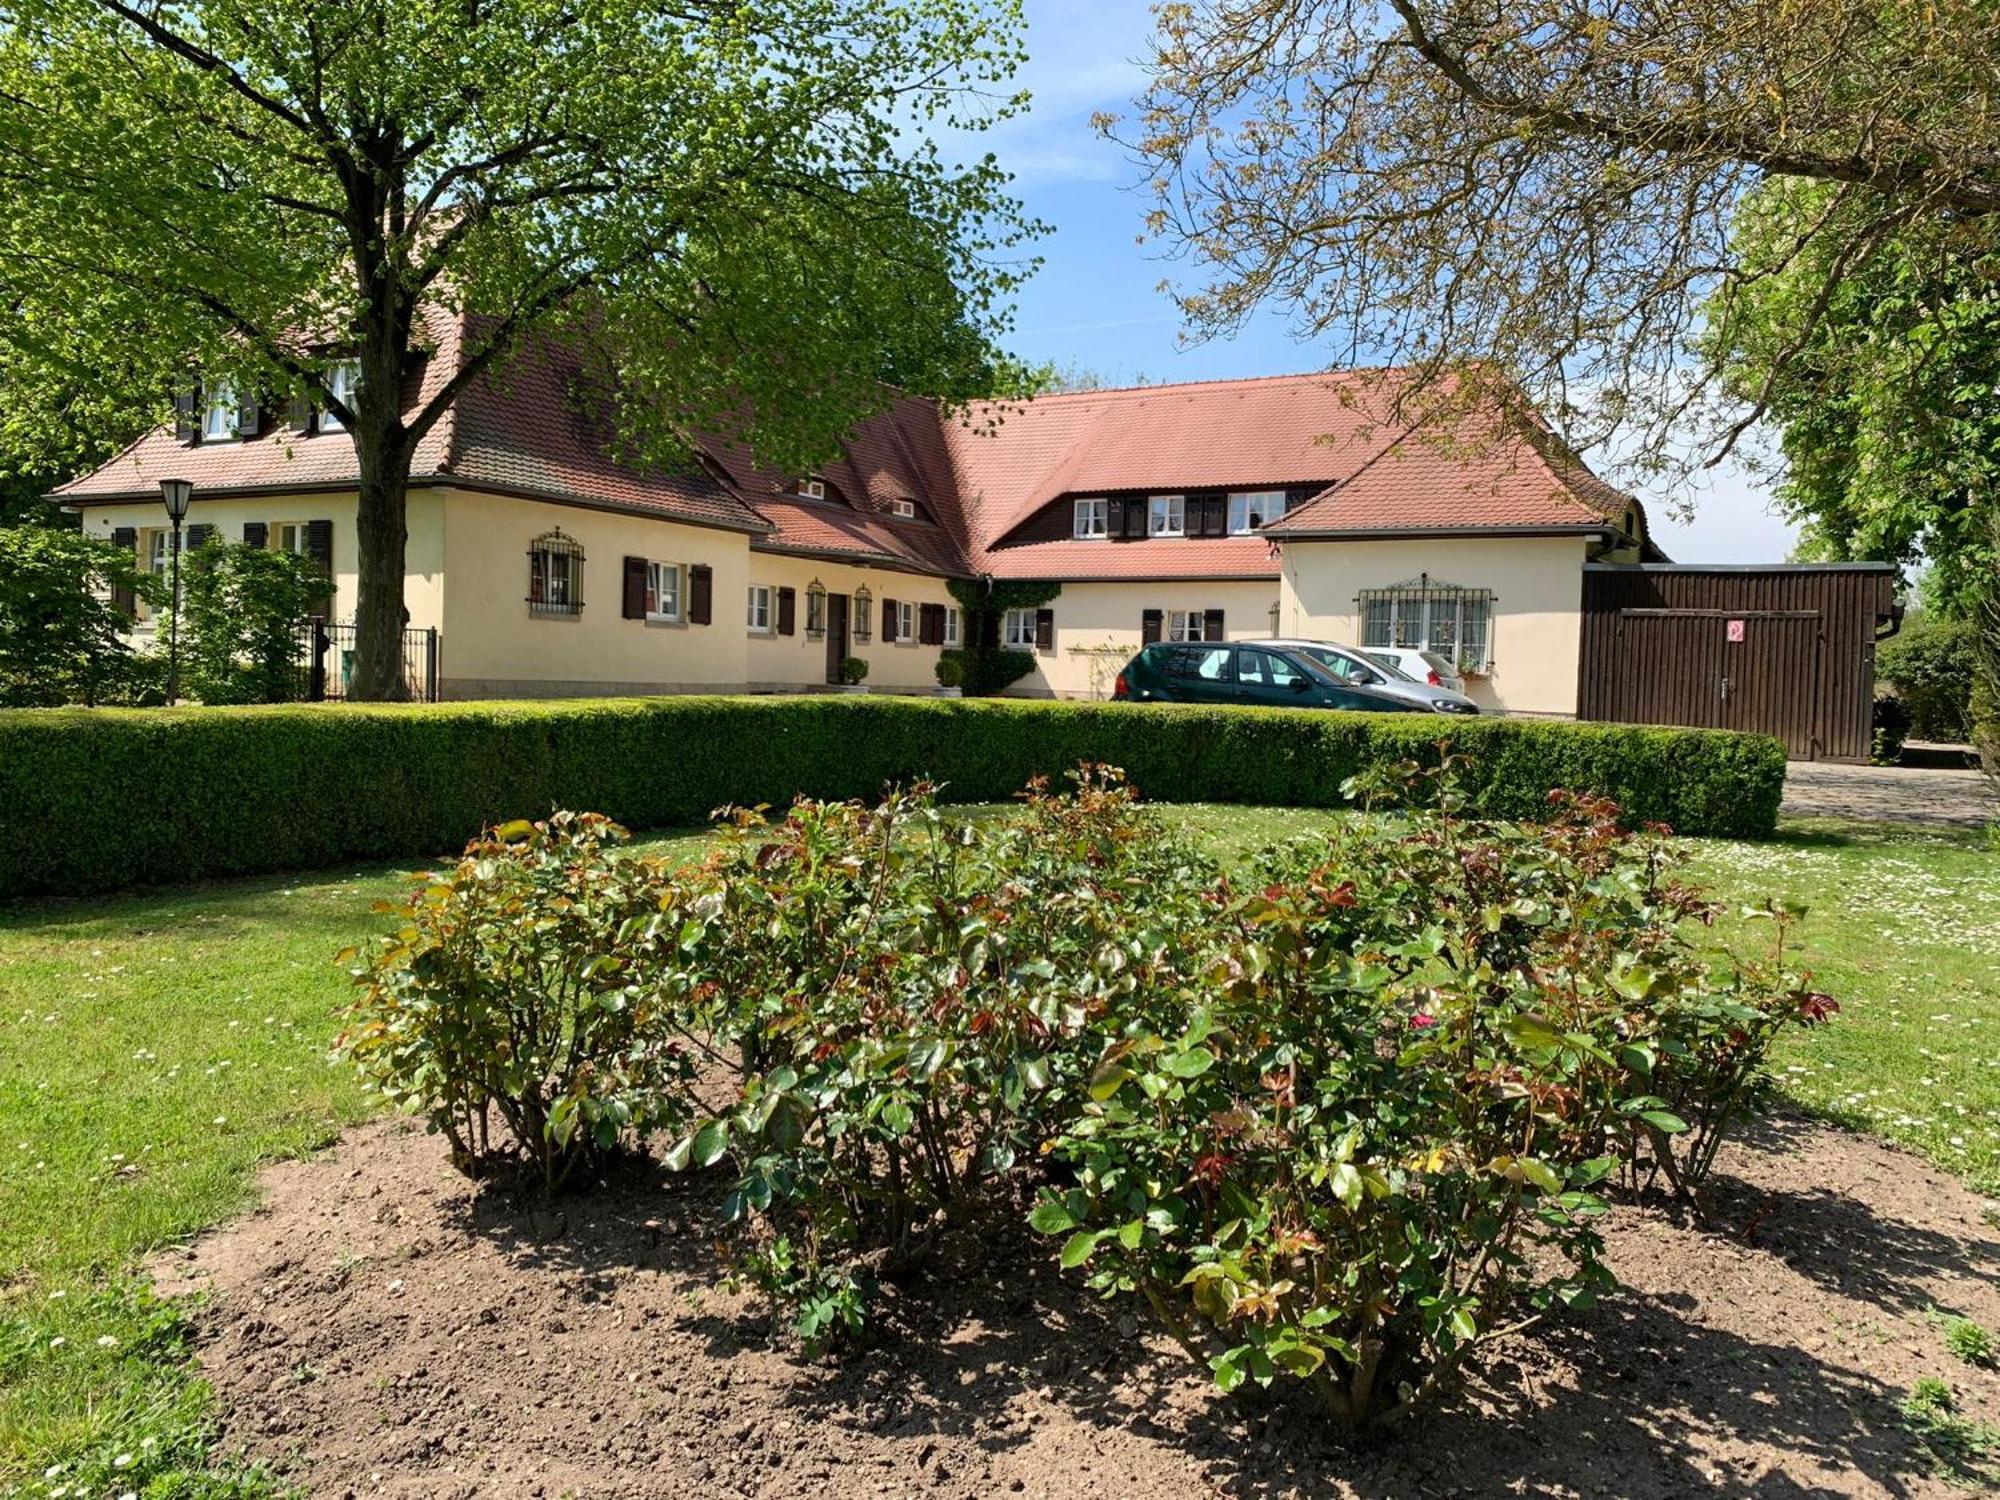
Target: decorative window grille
[(1424, 614), (815, 611), (860, 628), (555, 574)]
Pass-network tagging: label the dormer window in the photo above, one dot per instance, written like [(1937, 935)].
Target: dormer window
[(813, 488), (1166, 515), (218, 413), (1255, 508), (904, 507), (342, 381), (1091, 519)]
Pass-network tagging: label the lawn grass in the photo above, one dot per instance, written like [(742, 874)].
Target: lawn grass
[(155, 1047)]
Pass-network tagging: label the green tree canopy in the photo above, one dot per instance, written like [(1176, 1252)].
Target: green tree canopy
[(738, 212), (61, 628), (1882, 377)]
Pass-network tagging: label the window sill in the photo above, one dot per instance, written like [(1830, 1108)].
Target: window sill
[(538, 613), (665, 622)]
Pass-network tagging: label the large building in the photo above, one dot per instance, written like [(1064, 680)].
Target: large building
[(1220, 510)]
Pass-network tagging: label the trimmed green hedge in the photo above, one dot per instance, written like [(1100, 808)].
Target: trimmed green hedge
[(99, 798)]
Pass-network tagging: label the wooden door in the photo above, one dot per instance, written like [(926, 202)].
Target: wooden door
[(1708, 669), (836, 635)]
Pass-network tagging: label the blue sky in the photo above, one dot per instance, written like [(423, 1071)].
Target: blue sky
[(1097, 302)]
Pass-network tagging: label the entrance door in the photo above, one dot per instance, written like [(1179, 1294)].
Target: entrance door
[(1756, 671), (836, 635)]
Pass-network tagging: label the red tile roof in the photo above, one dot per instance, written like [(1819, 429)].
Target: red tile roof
[(976, 478), (520, 432), (1248, 557)]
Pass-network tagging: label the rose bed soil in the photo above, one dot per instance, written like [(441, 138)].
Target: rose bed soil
[(380, 1326)]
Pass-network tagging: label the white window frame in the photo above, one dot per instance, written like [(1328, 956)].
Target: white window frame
[(218, 413), (758, 616), (1090, 520), (286, 536), (813, 489), (1272, 508), (905, 509), (160, 552), (951, 625), (1186, 626), (343, 380), (906, 623), (1017, 629), (663, 580), (1166, 515)]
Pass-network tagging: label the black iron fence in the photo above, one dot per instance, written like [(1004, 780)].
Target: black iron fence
[(326, 655)]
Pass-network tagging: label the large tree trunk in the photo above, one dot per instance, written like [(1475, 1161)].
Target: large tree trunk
[(382, 529)]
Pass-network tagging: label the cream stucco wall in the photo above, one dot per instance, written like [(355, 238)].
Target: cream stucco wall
[(423, 585), (494, 647), (787, 662), (1098, 626), (1537, 586)]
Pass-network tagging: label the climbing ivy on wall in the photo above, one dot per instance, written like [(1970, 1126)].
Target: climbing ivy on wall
[(990, 666)]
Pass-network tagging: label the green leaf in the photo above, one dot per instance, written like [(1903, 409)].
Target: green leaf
[(1540, 1173), (1192, 1063), (1051, 1217), (710, 1142), (1463, 1324), (1228, 1369), (1664, 1120), (1079, 1247)]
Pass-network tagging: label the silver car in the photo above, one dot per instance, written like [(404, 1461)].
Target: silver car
[(1364, 670)]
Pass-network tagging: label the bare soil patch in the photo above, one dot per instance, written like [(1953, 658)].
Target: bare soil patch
[(382, 1327)]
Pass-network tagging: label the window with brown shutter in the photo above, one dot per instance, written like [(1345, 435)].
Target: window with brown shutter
[(123, 598), (930, 625), (319, 547), (197, 537), (788, 611), (1045, 630), (256, 534), (635, 588), (1150, 625), (1214, 515), (187, 415), (1114, 517), (1135, 517), (701, 594), (1211, 625), (888, 622)]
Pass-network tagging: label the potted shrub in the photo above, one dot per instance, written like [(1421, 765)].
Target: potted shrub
[(951, 677), (852, 670)]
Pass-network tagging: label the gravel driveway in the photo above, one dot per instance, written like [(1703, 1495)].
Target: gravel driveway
[(1890, 794)]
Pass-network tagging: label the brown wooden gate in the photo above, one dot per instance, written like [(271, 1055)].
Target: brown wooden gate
[(1787, 651)]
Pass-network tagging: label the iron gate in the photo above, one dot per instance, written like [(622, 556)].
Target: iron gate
[(326, 655)]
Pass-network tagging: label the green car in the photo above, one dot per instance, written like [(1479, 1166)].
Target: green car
[(1212, 672)]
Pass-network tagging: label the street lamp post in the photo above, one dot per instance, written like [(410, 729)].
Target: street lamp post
[(175, 493)]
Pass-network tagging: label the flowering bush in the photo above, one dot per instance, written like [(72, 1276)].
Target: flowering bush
[(519, 985), (920, 1000), (1370, 1138)]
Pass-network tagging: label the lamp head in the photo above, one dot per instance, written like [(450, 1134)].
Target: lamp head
[(176, 493)]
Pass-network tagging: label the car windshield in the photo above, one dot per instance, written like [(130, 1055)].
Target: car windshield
[(1389, 664)]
